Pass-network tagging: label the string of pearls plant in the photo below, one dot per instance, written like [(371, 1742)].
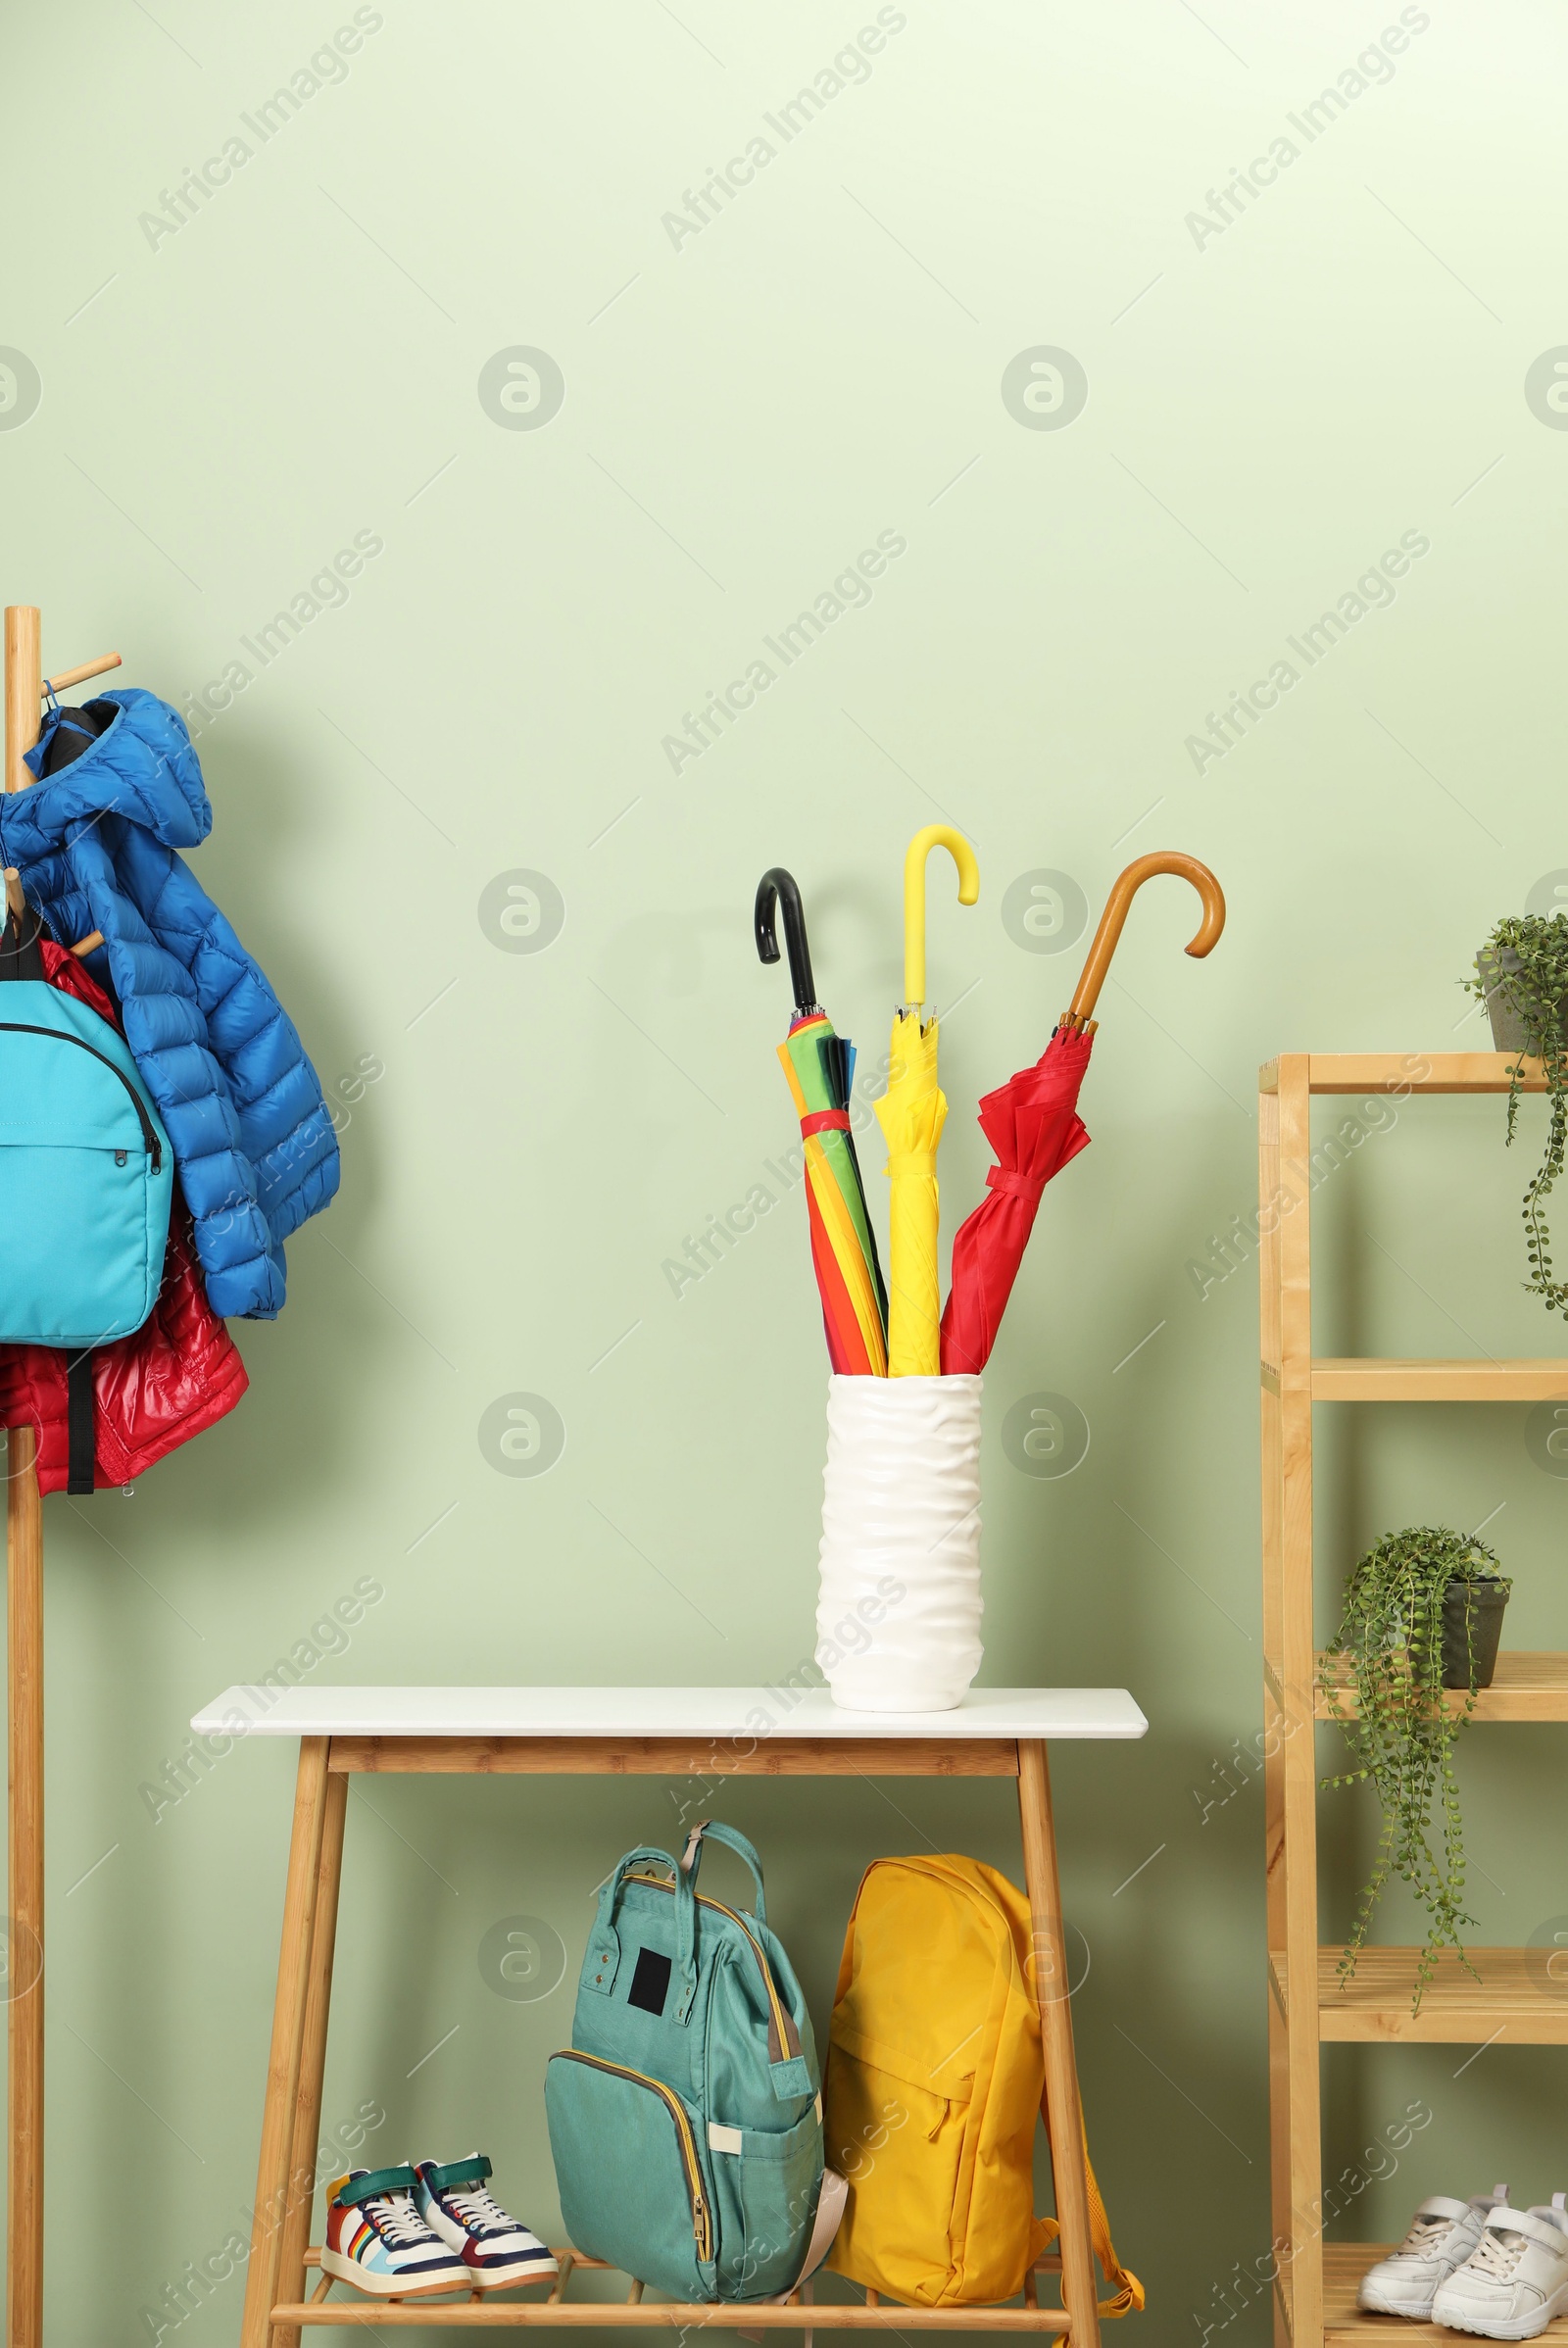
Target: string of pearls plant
[(1389, 1649), (1524, 967)]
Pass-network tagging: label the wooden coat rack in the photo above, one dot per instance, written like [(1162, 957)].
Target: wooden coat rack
[(25, 689)]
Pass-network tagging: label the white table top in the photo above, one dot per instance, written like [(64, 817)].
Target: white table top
[(705, 1713)]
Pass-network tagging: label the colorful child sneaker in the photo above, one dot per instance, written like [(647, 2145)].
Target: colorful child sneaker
[(1515, 2280), (495, 2250), (1442, 2235), (378, 2241)]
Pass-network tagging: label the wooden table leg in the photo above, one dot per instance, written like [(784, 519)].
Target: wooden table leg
[(25, 1983), (1064, 2111), (313, 2060), (283, 2064)]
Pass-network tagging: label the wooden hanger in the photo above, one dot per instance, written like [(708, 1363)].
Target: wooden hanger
[(21, 777)]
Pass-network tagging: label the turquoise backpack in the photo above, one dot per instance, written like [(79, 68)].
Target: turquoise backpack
[(686, 2118), (86, 1176)]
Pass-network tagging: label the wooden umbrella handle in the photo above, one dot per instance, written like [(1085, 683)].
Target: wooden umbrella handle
[(1080, 1014)]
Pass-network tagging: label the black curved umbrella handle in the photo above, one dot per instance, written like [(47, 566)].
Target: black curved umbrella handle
[(777, 884)]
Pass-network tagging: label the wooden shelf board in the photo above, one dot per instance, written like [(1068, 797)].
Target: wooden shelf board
[(612, 2315), (1366, 1378), (1343, 2265), (1528, 1685), (1514, 2003), (502, 2312), (1420, 1072)]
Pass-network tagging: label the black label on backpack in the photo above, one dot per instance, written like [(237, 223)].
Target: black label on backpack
[(650, 1983)]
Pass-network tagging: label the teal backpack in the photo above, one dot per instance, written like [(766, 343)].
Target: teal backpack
[(686, 2118), (86, 1173)]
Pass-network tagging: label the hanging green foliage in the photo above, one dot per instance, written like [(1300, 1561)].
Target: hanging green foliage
[(1388, 1651), (1524, 967)]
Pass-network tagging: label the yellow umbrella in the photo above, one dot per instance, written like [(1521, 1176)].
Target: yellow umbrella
[(912, 1115)]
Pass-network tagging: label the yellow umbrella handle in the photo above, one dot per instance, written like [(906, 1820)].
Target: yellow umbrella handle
[(935, 835), (1081, 1013)]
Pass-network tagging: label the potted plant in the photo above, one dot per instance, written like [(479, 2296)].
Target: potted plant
[(1423, 1611), (1522, 978)]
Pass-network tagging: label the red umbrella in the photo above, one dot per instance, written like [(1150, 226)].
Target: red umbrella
[(1032, 1123), (1034, 1128)]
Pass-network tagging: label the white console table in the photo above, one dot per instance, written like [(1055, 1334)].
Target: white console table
[(659, 1732)]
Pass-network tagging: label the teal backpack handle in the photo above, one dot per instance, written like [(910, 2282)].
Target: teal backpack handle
[(604, 1948), (791, 2073), (691, 1857)]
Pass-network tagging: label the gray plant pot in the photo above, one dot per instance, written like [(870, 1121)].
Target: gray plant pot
[(1486, 1600), (1507, 1027), (1507, 1024)]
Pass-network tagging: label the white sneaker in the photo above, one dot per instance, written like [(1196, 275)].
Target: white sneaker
[(1443, 2236), (1515, 2280)]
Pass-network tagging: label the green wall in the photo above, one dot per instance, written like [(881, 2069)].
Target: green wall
[(532, 1136)]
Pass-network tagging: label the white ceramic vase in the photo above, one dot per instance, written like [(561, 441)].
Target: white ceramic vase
[(898, 1616)]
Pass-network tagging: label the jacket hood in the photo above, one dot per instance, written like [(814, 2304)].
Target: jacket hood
[(141, 767)]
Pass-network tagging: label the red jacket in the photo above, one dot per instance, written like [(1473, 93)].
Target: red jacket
[(176, 1376)]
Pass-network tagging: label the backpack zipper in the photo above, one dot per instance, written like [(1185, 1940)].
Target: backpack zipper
[(702, 2221), (776, 2005), (58, 1035)]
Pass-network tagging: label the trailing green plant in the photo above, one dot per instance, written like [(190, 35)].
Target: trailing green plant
[(1404, 1730), (1529, 975)]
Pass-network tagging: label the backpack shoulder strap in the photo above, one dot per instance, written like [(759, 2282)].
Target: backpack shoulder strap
[(20, 957), (831, 2197), (82, 1441), (1129, 2291)]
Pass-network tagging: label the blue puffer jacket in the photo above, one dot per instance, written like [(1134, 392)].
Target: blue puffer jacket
[(252, 1137)]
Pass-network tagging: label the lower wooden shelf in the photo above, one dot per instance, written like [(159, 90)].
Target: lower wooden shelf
[(1516, 2002), (1361, 1377), (800, 2311), (1529, 1683), (1343, 2265)]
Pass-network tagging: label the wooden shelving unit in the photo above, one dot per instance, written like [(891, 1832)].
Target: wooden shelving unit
[(1515, 2000)]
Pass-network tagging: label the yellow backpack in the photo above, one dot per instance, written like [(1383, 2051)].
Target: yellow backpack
[(935, 2076)]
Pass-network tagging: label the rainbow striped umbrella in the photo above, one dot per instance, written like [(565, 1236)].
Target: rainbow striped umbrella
[(818, 1067)]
